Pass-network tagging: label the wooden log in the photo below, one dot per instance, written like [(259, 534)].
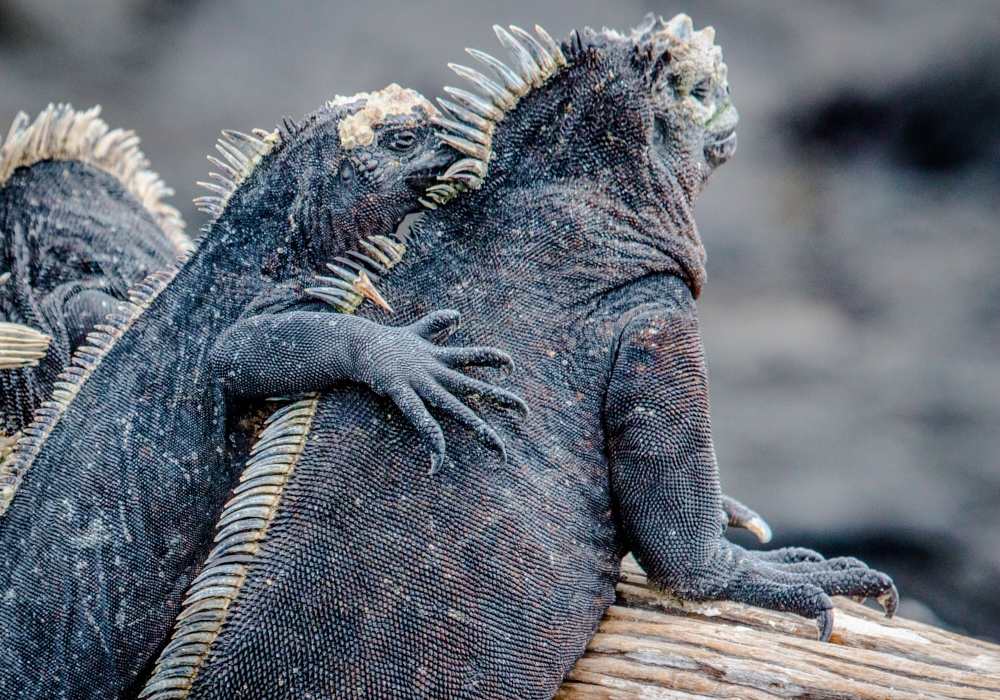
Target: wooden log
[(652, 646)]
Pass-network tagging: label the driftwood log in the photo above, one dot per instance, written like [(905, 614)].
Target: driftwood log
[(654, 647)]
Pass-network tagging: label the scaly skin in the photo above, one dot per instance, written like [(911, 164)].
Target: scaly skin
[(76, 237), (121, 481), (369, 579)]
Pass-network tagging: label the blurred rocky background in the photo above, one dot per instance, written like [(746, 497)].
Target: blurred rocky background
[(852, 315)]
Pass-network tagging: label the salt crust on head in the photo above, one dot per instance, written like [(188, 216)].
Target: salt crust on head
[(356, 129), (693, 56)]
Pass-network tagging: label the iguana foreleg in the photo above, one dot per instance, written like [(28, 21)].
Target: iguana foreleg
[(306, 351), (666, 485)]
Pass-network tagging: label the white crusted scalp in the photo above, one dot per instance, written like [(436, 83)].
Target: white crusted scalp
[(356, 129), (694, 58)]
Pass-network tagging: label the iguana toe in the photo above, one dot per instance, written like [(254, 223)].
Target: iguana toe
[(790, 555), (461, 385), (805, 587), (740, 515), (433, 325)]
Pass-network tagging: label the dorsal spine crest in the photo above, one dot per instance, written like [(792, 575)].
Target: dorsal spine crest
[(62, 133), (241, 529), (468, 126)]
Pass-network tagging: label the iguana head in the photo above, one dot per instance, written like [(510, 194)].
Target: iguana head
[(353, 169), (662, 87), (688, 90), (643, 116), (386, 157)]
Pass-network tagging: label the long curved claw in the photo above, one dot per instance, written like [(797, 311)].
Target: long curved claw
[(760, 528), (889, 601), (825, 623), (741, 516)]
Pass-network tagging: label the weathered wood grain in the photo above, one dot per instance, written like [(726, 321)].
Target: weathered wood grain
[(654, 647)]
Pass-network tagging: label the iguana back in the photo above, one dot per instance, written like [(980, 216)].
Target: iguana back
[(82, 222)]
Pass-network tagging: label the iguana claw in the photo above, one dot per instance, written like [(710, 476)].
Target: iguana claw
[(740, 516), (889, 601), (825, 623)]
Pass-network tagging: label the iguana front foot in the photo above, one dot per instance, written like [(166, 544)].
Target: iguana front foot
[(437, 382), (301, 351)]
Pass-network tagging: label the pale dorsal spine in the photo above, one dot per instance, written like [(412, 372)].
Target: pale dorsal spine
[(21, 346), (468, 125), (243, 153), (62, 133), (240, 531)]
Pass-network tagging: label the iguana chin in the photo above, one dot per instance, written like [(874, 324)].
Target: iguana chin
[(578, 251), (83, 220), (113, 489)]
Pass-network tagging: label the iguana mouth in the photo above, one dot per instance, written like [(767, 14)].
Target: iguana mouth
[(720, 147), (421, 179)]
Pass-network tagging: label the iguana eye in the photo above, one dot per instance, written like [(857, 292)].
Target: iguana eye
[(701, 91), (403, 141), (347, 173)]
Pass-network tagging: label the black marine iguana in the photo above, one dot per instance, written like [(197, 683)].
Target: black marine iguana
[(82, 221), (85, 191), (342, 570), (123, 472)]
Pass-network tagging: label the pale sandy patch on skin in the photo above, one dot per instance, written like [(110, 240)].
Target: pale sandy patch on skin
[(694, 58), (356, 129)]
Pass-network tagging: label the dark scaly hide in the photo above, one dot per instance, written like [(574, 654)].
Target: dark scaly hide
[(377, 581), (67, 227), (82, 221), (116, 510), (580, 257)]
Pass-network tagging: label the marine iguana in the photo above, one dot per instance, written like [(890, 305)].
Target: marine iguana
[(82, 221), (122, 474), (342, 570)]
